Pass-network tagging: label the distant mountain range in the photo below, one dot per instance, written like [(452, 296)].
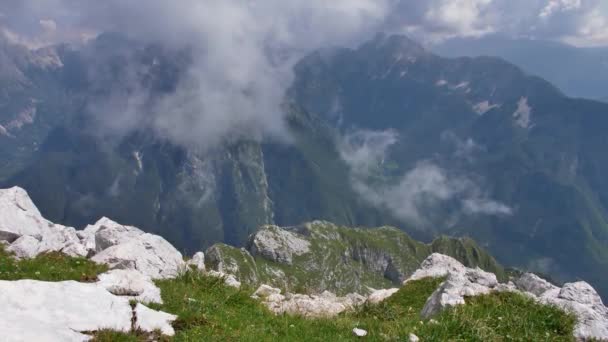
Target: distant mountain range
[(388, 133), (578, 72)]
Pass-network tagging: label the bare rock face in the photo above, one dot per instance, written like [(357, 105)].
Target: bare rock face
[(62, 311), (278, 245), (437, 266)]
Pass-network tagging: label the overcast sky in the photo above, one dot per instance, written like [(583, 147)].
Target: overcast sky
[(578, 22)]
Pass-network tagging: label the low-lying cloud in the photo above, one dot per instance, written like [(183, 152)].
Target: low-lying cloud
[(418, 193)]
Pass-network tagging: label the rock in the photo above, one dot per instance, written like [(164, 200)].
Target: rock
[(359, 332), (132, 284), (109, 233), (533, 284), (326, 304), (59, 311), (279, 245), (21, 218), (25, 247), (413, 338), (461, 282), (378, 296), (19, 215), (584, 302), (151, 320), (150, 254), (229, 279), (264, 291), (198, 261), (508, 287), (437, 266)]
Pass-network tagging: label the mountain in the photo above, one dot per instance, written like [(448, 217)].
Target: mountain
[(525, 158), (579, 72), (385, 134)]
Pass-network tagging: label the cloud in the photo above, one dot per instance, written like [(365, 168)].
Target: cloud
[(419, 194), (242, 53)]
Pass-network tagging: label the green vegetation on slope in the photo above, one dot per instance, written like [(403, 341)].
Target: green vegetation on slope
[(48, 267), (210, 311), (343, 259)]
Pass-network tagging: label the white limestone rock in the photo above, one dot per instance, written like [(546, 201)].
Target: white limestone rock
[(229, 279), (132, 284), (325, 305), (585, 303), (20, 218), (197, 261), (151, 320), (413, 338), (109, 233), (41, 311), (25, 247), (359, 332), (60, 311), (278, 244), (378, 296), (150, 254), (461, 282), (437, 266), (533, 284), (265, 291)]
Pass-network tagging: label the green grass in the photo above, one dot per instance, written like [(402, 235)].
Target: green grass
[(48, 267), (210, 311)]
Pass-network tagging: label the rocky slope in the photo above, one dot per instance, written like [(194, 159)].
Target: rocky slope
[(117, 300), (322, 256)]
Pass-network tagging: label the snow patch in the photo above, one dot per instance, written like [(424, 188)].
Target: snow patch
[(483, 107), (523, 113)]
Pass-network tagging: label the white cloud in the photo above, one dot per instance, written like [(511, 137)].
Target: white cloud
[(417, 195)]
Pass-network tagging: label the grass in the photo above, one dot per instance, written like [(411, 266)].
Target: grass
[(48, 267), (210, 311)]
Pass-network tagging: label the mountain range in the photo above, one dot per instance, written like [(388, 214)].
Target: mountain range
[(384, 134)]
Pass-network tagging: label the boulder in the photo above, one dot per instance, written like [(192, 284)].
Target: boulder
[(378, 296), (197, 261), (150, 254), (326, 304), (61, 311), (25, 247), (533, 284), (229, 279), (109, 233), (461, 282), (132, 284), (20, 218), (437, 266), (279, 245), (151, 320), (585, 303)]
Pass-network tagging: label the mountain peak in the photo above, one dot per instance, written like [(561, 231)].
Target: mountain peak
[(397, 44)]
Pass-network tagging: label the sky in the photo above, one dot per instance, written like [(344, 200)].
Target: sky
[(310, 23)]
